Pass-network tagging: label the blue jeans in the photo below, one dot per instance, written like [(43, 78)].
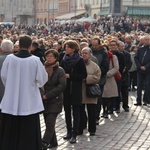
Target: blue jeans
[(143, 79)]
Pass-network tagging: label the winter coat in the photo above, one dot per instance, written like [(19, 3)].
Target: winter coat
[(93, 77), (128, 64), (103, 63), (110, 87), (38, 52), (54, 91), (142, 58), (73, 91)]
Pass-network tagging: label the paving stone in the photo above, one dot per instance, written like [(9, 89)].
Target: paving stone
[(123, 131)]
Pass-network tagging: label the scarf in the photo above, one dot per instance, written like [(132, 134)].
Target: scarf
[(50, 68), (70, 61), (110, 55), (87, 61)]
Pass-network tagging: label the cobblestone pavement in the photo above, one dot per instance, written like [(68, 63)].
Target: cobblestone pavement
[(124, 131)]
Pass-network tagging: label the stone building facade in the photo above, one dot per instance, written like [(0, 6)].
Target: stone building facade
[(46, 11), (18, 11), (134, 8)]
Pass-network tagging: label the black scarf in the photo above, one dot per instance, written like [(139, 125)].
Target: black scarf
[(70, 61)]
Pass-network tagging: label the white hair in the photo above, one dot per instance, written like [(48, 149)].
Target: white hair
[(88, 50), (7, 45)]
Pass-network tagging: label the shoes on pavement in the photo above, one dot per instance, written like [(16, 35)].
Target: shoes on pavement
[(126, 109), (102, 115), (92, 133), (105, 115), (145, 104), (97, 122), (52, 145), (73, 140), (138, 104), (44, 145), (68, 136), (117, 111)]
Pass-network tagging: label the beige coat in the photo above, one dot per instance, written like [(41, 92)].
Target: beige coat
[(93, 77), (110, 87)]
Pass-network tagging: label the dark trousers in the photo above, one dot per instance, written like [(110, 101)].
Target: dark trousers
[(91, 117), (133, 79), (108, 104), (99, 104), (50, 134), (0, 117), (72, 113), (141, 77), (118, 99), (125, 94)]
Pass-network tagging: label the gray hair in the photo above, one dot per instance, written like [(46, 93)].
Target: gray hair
[(7, 45), (88, 50)]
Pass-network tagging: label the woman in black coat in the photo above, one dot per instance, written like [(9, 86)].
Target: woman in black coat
[(53, 97), (75, 70)]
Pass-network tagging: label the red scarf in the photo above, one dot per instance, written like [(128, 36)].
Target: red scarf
[(110, 55)]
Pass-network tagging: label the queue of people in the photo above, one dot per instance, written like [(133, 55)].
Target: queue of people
[(52, 72)]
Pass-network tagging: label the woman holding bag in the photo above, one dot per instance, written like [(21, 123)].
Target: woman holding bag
[(93, 77)]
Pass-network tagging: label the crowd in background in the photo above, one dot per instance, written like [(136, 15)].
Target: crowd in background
[(88, 54), (102, 25)]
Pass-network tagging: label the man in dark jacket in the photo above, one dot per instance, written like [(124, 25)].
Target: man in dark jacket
[(37, 51), (125, 75), (142, 60), (103, 63)]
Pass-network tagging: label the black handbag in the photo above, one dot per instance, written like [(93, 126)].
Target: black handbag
[(93, 90)]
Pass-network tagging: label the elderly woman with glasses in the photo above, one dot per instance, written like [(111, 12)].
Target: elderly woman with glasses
[(52, 97)]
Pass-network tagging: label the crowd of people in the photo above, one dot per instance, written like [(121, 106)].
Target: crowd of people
[(66, 61)]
